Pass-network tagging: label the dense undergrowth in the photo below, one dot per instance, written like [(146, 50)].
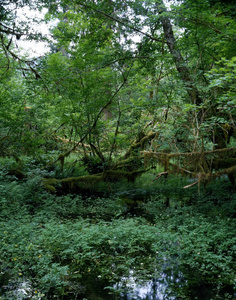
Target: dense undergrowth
[(63, 246)]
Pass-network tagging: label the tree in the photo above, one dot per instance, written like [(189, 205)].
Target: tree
[(114, 97)]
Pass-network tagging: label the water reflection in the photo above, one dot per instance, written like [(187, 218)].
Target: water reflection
[(14, 289), (155, 289), (169, 285)]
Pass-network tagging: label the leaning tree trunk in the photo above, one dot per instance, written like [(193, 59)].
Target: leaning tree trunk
[(178, 58), (184, 71)]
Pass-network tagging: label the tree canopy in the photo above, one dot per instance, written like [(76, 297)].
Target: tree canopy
[(126, 85)]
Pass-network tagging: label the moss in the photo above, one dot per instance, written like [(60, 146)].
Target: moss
[(62, 157), (85, 178), (86, 182), (49, 184), (50, 181), (72, 183), (50, 188), (140, 143)]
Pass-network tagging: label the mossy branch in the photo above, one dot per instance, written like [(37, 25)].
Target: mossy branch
[(197, 164), (140, 143), (187, 154)]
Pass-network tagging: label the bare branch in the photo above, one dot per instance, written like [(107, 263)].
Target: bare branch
[(192, 184), (160, 174)]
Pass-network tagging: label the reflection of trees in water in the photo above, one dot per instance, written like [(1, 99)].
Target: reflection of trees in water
[(170, 285), (159, 288)]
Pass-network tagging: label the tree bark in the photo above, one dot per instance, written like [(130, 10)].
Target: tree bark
[(178, 58)]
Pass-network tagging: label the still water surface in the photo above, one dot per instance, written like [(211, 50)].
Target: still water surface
[(169, 286)]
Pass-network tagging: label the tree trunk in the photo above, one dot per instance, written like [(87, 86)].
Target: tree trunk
[(178, 58)]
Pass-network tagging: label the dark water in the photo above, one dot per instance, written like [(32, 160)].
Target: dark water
[(170, 285)]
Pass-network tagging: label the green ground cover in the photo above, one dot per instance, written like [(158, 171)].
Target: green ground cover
[(64, 244)]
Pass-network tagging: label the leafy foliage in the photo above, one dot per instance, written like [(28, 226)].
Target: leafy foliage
[(60, 244), (130, 94)]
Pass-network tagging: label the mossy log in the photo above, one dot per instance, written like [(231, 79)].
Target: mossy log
[(49, 184), (87, 182), (71, 184)]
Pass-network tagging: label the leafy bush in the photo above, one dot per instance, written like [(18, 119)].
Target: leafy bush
[(60, 244)]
